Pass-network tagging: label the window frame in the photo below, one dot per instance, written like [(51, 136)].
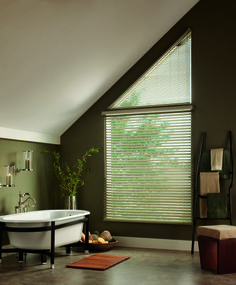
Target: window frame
[(185, 107)]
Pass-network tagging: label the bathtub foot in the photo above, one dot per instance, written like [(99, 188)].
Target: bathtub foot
[(43, 259), (68, 249), (21, 257), (52, 266), (86, 251)]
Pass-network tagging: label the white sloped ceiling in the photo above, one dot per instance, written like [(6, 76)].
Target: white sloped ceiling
[(58, 57)]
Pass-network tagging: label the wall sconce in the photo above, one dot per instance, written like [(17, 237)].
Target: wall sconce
[(10, 170), (27, 158), (9, 174)]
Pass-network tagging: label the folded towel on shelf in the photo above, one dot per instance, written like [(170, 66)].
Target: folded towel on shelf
[(226, 167), (217, 205), (209, 183), (217, 158)]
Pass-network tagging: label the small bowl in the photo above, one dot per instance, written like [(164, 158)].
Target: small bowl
[(102, 246)]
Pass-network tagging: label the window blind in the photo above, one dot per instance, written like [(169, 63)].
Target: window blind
[(148, 174), (167, 82), (148, 168)]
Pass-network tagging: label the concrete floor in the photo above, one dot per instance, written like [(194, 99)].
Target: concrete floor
[(145, 266)]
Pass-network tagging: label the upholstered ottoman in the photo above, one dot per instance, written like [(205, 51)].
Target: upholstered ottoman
[(217, 248)]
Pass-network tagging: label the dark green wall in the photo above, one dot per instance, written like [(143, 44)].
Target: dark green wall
[(213, 90)]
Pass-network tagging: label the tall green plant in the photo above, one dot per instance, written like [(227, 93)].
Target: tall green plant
[(72, 178)]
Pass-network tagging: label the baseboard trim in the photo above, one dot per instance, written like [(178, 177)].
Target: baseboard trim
[(151, 243), (168, 244)]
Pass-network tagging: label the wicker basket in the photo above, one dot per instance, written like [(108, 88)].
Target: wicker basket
[(102, 246)]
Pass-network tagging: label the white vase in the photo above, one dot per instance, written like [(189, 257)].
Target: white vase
[(70, 203)]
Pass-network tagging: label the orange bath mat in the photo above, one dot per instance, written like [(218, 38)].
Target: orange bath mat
[(98, 261)]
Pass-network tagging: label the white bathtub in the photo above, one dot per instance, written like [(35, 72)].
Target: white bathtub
[(41, 240)]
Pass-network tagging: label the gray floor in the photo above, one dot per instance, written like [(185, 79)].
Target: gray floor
[(145, 266)]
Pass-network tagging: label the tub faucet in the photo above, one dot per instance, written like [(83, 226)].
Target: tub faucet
[(26, 204)]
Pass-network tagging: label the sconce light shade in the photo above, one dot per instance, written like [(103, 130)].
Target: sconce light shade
[(9, 174), (28, 157)]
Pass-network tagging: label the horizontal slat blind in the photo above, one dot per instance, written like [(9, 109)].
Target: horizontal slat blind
[(167, 82), (148, 168)]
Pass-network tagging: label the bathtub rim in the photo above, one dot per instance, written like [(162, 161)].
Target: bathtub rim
[(9, 218)]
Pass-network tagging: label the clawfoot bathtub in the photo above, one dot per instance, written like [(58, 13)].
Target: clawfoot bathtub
[(42, 231)]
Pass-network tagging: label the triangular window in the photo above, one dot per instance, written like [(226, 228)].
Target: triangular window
[(166, 82)]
